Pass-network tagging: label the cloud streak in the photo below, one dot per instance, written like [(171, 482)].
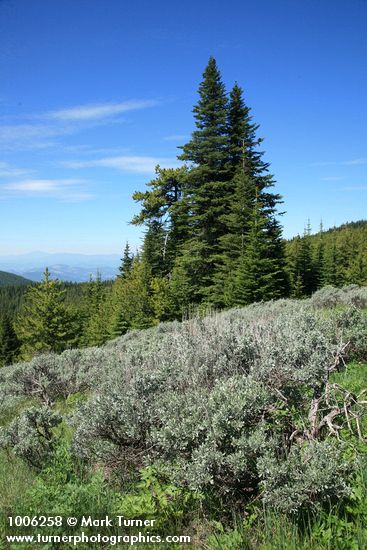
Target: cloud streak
[(100, 111), (68, 189), (124, 163), (355, 188), (39, 131), (8, 171), (352, 162), (31, 136), (355, 162), (333, 178)]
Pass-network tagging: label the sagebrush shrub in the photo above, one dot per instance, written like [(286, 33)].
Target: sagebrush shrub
[(31, 436), (216, 401), (311, 474), (329, 297), (210, 397)]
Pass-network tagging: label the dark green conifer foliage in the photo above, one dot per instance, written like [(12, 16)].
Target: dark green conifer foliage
[(208, 144), (319, 258), (238, 119), (250, 185), (225, 176), (207, 186), (339, 257), (9, 342), (244, 153), (154, 247), (189, 269), (294, 268), (276, 252), (45, 322), (96, 330), (239, 215), (306, 262), (95, 292), (232, 243), (131, 299), (165, 217), (357, 269), (304, 280), (126, 261), (332, 273), (161, 300), (119, 325), (255, 278)]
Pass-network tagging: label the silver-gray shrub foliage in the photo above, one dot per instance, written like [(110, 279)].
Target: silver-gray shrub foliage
[(49, 376), (212, 397), (215, 400), (30, 435), (350, 325), (311, 474), (329, 296), (211, 436)]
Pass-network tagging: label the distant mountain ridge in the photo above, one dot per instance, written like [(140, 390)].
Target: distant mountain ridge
[(72, 267), (78, 268), (71, 273), (10, 279)]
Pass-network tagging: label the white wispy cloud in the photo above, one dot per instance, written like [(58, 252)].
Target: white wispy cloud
[(355, 162), (101, 110), (355, 188), (89, 150), (352, 162), (31, 136), (124, 163), (68, 189), (332, 178), (8, 171), (43, 130)]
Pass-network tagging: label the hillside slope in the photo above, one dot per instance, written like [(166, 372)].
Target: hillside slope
[(239, 407), (334, 257), (10, 279)]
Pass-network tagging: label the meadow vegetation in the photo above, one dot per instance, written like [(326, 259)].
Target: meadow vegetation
[(243, 428)]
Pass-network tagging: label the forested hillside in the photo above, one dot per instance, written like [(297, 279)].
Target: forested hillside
[(335, 257), (7, 279), (40, 313)]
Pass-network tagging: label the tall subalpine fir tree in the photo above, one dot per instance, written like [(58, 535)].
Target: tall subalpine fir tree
[(207, 187), (199, 233), (250, 190), (255, 277)]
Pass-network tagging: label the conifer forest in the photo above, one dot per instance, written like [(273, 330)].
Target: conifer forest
[(218, 385)]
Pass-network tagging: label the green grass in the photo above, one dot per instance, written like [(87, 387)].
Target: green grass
[(353, 377), (15, 480)]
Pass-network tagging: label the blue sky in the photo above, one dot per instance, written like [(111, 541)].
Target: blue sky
[(95, 93)]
